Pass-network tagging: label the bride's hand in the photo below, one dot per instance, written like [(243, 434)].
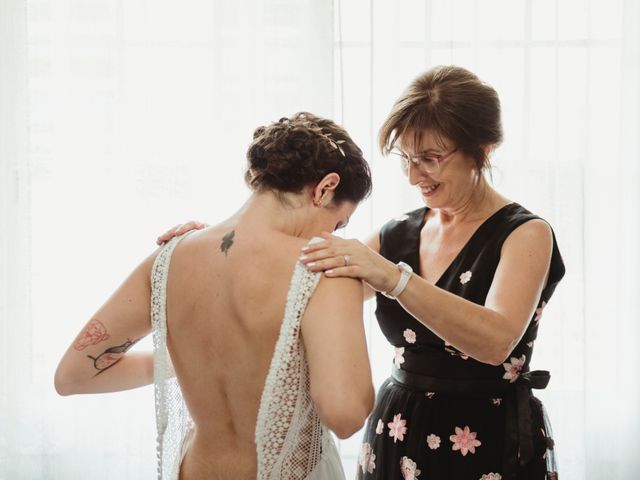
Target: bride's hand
[(179, 230), (339, 257)]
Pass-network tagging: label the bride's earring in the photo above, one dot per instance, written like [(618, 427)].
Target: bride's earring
[(321, 202)]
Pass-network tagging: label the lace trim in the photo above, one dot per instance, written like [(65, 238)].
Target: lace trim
[(172, 416), (289, 434)]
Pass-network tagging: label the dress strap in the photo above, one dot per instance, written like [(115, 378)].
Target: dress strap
[(168, 396), (285, 416)]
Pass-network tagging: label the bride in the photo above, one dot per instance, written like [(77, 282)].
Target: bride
[(255, 357)]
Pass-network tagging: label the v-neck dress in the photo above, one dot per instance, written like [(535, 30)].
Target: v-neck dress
[(443, 414)]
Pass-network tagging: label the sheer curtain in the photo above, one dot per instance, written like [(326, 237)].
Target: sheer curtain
[(15, 228), (139, 115), (120, 118), (567, 72)]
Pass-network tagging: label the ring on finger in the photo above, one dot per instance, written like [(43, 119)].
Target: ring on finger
[(346, 260)]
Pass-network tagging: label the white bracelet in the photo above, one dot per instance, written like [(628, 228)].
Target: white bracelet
[(405, 275)]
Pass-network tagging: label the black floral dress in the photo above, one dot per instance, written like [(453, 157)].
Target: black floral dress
[(443, 415)]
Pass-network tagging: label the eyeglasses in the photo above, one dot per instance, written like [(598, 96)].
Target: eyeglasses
[(423, 162)]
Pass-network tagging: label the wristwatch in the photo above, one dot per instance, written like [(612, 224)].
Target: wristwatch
[(405, 275)]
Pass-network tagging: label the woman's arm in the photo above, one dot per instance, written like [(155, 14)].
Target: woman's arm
[(487, 333), (373, 242), (97, 361), (336, 350)]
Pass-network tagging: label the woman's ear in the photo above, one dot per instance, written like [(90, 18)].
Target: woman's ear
[(324, 191)]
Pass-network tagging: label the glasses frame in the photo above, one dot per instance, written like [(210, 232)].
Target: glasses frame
[(418, 160)]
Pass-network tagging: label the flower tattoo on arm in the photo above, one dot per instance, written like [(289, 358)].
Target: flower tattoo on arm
[(111, 355), (94, 333)]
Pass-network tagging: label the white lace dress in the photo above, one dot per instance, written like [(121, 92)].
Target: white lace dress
[(291, 441)]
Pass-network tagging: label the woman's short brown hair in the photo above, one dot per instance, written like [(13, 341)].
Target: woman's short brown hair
[(295, 152), (451, 102)]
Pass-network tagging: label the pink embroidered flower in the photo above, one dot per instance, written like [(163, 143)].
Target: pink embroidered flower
[(429, 395), (491, 476), (397, 428), (399, 358), (409, 335), (465, 277), (496, 401), (465, 441), (409, 469), (379, 427), (433, 441), (539, 311), (513, 368), (366, 459)]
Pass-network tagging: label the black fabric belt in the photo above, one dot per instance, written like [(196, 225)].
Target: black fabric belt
[(518, 438)]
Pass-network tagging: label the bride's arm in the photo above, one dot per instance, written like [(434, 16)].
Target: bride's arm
[(336, 349), (97, 361)]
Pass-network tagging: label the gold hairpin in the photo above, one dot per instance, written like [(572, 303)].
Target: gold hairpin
[(335, 144)]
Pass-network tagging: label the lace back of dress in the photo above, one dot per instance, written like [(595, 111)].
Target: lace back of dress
[(172, 417), (290, 438)]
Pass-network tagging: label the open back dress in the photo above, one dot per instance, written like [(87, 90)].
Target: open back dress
[(291, 441)]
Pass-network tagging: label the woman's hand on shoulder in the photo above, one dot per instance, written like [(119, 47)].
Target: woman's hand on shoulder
[(339, 257), (179, 230)]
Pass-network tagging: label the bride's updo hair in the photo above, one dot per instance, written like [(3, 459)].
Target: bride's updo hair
[(292, 153)]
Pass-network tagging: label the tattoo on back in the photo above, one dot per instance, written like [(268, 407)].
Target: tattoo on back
[(111, 355), (227, 241)]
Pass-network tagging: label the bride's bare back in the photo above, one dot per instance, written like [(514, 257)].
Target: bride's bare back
[(226, 297), (225, 302)]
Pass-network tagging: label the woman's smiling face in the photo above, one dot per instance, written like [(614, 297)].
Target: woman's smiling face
[(444, 175)]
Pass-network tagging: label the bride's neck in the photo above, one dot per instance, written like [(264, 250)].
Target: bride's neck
[(282, 212)]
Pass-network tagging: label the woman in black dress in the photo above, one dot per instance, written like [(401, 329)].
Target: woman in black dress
[(461, 286)]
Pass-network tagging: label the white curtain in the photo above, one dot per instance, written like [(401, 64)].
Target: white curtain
[(567, 72), (120, 118), (16, 362), (139, 114)]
